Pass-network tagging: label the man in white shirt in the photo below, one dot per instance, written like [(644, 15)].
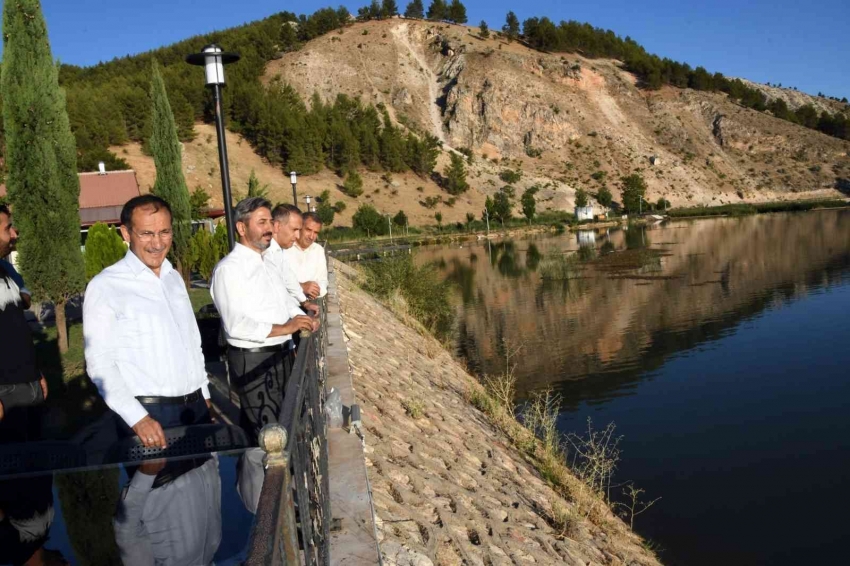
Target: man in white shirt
[(142, 344), (259, 317), (170, 513), (286, 222), (307, 258)]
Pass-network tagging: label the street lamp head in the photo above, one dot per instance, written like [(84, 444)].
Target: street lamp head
[(293, 177), (213, 60), (308, 198)]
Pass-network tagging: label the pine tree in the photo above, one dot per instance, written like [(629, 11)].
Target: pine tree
[(168, 158), (199, 203), (255, 188), (438, 216), (456, 176), (103, 248), (456, 12), (389, 9), (353, 184), (437, 10), (415, 10), (42, 162), (483, 30), (511, 27)]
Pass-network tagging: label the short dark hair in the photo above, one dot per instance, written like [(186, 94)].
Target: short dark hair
[(282, 211), (313, 216), (245, 207), (5, 210), (142, 201)]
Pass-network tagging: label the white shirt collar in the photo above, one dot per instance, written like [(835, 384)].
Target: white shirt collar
[(136, 267)]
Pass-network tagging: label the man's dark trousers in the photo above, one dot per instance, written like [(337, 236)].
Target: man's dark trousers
[(260, 379)]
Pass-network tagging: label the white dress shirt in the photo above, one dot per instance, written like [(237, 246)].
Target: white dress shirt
[(276, 256), (178, 523), (141, 336), (250, 297), (309, 265)]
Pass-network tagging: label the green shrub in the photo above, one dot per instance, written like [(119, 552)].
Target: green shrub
[(428, 298), (510, 177), (103, 248), (353, 185)]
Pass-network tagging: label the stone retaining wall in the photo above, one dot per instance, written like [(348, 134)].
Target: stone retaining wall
[(448, 488)]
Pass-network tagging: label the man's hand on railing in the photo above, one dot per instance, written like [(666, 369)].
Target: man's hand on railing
[(311, 307), (311, 289)]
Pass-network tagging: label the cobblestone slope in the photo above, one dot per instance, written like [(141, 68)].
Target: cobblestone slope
[(448, 487)]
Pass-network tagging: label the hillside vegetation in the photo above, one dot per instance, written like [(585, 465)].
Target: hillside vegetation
[(393, 99)]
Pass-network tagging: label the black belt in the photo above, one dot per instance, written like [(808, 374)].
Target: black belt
[(192, 397), (263, 349)]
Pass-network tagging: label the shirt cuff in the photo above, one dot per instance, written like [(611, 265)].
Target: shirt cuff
[(132, 413), (301, 296), (205, 390), (142, 482)]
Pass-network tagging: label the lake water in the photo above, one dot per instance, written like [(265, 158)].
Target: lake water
[(720, 348)]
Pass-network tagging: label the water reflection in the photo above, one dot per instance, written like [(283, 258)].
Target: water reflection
[(718, 347), (644, 293)]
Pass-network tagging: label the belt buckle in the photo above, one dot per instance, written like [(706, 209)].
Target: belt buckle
[(186, 398)]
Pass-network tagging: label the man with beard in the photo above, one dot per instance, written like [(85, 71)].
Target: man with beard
[(142, 343), (258, 317), (21, 384)]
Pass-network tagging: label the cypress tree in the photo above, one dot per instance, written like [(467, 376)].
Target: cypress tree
[(168, 158), (42, 162)]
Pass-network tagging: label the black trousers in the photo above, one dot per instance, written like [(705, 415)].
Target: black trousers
[(260, 379)]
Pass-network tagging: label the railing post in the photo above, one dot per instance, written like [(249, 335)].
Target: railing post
[(272, 440)]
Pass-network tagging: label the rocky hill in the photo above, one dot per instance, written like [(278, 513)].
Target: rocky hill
[(565, 121)]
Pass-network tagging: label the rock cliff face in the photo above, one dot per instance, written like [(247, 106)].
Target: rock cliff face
[(567, 121)]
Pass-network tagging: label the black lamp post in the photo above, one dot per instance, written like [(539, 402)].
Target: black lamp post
[(213, 60), (307, 199), (293, 178)]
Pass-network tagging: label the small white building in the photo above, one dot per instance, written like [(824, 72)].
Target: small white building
[(586, 238), (584, 213)]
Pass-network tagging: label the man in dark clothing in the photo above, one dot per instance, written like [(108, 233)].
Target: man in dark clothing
[(21, 384)]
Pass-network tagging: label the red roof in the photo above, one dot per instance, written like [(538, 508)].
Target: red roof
[(102, 195)]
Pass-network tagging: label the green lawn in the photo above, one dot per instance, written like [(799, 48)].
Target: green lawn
[(199, 298)]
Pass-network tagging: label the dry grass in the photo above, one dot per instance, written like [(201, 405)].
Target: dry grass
[(414, 407)]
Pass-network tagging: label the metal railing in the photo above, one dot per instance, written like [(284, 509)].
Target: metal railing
[(292, 524)]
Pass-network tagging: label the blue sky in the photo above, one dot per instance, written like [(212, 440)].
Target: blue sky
[(802, 44)]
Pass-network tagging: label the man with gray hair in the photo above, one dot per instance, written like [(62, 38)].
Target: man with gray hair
[(286, 219), (307, 258), (258, 317)]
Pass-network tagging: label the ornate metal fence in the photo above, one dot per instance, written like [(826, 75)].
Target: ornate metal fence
[(293, 516)]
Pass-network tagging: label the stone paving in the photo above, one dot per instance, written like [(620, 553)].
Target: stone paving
[(448, 488)]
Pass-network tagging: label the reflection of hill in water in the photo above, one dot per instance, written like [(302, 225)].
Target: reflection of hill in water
[(713, 274)]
